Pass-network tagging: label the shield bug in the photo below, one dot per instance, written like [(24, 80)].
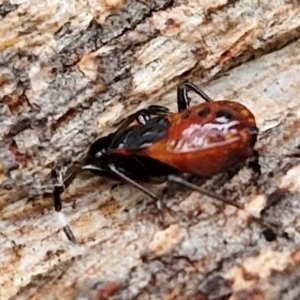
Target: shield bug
[(153, 143)]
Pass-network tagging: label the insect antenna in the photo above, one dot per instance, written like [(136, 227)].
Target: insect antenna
[(58, 188)]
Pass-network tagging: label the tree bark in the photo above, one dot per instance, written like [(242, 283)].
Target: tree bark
[(70, 71)]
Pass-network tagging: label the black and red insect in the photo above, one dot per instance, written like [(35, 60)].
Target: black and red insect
[(153, 143)]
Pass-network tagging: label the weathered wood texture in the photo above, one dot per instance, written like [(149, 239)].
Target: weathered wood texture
[(69, 70)]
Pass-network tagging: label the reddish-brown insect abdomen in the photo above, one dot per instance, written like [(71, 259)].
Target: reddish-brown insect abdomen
[(206, 139)]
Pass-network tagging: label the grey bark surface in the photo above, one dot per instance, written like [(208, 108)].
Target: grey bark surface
[(70, 71)]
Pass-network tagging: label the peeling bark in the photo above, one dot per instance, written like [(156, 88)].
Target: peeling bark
[(69, 72)]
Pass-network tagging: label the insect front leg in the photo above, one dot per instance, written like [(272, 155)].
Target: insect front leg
[(183, 100), (58, 189)]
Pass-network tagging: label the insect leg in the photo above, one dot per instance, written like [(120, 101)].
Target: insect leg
[(142, 116), (127, 179), (158, 110), (254, 164), (179, 180), (270, 225), (183, 100), (58, 188), (159, 204), (115, 171)]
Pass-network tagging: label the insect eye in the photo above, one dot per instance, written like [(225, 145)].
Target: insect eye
[(223, 116), (204, 112)]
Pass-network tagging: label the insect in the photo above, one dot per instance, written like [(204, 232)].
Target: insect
[(154, 143)]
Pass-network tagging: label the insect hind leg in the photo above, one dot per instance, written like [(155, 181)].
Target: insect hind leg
[(179, 180), (183, 100), (274, 227), (58, 189)]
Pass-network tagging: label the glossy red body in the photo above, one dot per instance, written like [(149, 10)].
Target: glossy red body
[(202, 140)]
